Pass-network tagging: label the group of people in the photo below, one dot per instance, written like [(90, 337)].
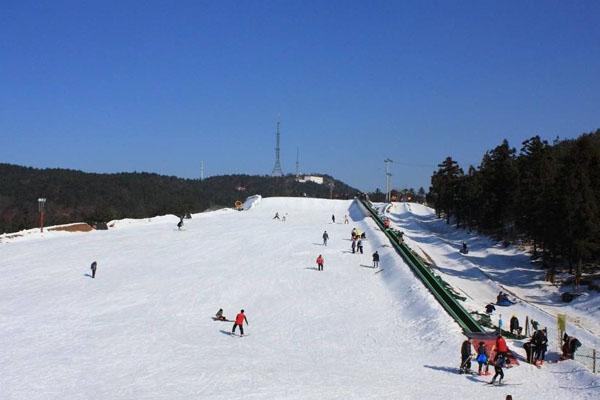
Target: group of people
[(537, 346), (282, 219), (345, 219), (482, 357)]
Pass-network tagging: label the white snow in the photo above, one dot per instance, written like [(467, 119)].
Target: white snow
[(143, 329)]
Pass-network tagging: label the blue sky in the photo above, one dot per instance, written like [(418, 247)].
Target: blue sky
[(159, 86)]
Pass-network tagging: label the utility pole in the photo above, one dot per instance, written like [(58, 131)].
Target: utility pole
[(331, 186), (41, 209), (388, 176), (297, 162)]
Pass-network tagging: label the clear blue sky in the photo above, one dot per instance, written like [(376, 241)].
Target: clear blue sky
[(159, 86)]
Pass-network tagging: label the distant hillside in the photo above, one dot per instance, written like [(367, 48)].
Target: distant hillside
[(78, 196)]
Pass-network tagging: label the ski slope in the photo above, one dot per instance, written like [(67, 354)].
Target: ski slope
[(143, 329)]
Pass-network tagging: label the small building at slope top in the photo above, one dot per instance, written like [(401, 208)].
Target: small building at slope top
[(311, 178)]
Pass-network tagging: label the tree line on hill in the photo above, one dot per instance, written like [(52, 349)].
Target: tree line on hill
[(546, 194), (76, 196)]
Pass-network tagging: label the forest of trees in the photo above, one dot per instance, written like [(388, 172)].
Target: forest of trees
[(75, 196), (547, 195)]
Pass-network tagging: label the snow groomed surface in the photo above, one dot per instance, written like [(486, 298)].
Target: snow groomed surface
[(450, 304), (143, 329)]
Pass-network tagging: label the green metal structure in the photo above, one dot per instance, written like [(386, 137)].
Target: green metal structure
[(436, 286)]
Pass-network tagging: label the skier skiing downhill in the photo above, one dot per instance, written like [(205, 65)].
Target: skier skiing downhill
[(239, 321), (325, 238)]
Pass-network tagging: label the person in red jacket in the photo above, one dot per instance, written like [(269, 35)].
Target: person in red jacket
[(501, 347), (239, 321), (320, 262)]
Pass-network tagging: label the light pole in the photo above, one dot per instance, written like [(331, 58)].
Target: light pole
[(41, 209), (331, 186), (388, 175)]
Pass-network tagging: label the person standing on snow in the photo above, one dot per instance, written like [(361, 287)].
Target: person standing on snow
[(320, 262), (346, 219), (375, 260), (239, 321), (501, 347), (180, 223), (359, 246), (353, 246), (93, 268), (482, 358), (498, 365), (332, 218), (325, 238), (465, 356)]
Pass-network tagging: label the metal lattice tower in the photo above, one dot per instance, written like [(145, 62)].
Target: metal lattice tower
[(297, 162), (277, 168)]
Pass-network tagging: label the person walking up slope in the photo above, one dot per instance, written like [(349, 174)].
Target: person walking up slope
[(320, 262), (239, 321), (325, 238)]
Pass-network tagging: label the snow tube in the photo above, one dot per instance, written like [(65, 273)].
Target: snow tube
[(505, 303)]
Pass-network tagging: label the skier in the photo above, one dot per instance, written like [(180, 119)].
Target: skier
[(375, 260), (464, 249), (239, 321), (465, 356), (353, 246), (180, 223), (353, 234), (346, 219), (276, 216), (325, 238), (332, 219), (320, 262), (359, 246), (93, 268), (498, 365), (219, 315), (482, 358)]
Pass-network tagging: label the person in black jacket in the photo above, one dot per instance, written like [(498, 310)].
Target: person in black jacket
[(375, 260), (325, 238), (540, 342), (515, 329), (465, 356), (93, 268)]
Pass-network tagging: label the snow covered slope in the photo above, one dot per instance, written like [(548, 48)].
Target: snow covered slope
[(143, 329)]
